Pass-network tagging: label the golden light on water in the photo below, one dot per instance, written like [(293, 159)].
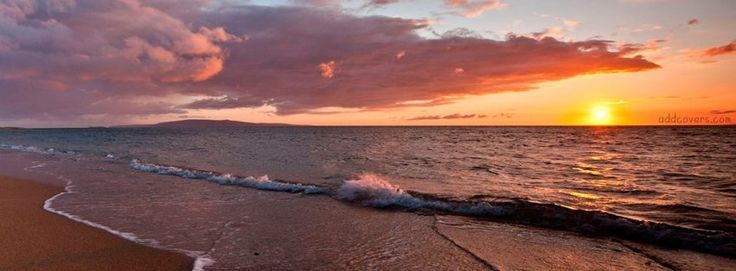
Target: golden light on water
[(582, 195)]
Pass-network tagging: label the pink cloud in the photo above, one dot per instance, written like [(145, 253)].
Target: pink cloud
[(449, 117), (634, 49), (570, 23), (472, 8), (552, 32), (376, 3), (84, 57), (364, 46), (721, 50), (97, 49), (327, 69)]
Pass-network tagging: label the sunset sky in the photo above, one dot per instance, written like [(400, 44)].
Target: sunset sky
[(72, 63)]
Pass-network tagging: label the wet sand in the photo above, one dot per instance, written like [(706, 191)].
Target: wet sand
[(516, 247), (32, 238)]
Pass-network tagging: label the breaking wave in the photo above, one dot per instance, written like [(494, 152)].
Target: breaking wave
[(373, 191), (262, 183)]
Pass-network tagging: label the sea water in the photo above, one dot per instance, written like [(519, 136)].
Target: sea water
[(321, 192)]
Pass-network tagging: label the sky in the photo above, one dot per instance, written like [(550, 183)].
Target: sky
[(79, 63)]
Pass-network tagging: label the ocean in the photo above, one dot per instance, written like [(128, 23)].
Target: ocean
[(335, 197)]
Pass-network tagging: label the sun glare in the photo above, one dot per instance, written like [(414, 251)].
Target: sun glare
[(601, 115)]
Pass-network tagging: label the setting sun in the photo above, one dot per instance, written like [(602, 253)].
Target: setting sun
[(601, 115), (256, 134)]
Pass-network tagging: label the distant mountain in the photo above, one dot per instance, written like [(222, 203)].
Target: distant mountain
[(199, 123)]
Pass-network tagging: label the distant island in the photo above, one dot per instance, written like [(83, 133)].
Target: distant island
[(200, 123)]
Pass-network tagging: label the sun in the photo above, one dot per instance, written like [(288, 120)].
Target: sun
[(600, 115)]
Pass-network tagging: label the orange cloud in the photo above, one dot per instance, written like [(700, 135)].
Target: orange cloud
[(327, 69), (107, 56), (472, 8), (449, 117), (721, 50)]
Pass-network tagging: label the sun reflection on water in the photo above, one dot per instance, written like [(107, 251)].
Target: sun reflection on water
[(583, 195)]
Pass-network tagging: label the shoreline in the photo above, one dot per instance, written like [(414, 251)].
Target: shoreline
[(38, 238), (462, 241)]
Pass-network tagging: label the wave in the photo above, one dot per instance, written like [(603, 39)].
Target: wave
[(373, 191), (200, 260), (34, 149), (261, 183)]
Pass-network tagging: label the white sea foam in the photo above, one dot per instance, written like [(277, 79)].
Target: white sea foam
[(25, 148), (368, 189), (262, 183), (68, 190), (372, 190), (201, 261), (375, 191), (34, 149), (35, 165)]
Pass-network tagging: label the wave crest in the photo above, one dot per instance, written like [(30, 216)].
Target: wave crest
[(261, 183), (373, 190)]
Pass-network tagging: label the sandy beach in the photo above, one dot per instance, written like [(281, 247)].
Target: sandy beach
[(34, 239)]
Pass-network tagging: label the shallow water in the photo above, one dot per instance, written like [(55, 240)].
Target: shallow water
[(616, 181)]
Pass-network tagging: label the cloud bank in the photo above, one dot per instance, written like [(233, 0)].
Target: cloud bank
[(65, 59), (449, 117)]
